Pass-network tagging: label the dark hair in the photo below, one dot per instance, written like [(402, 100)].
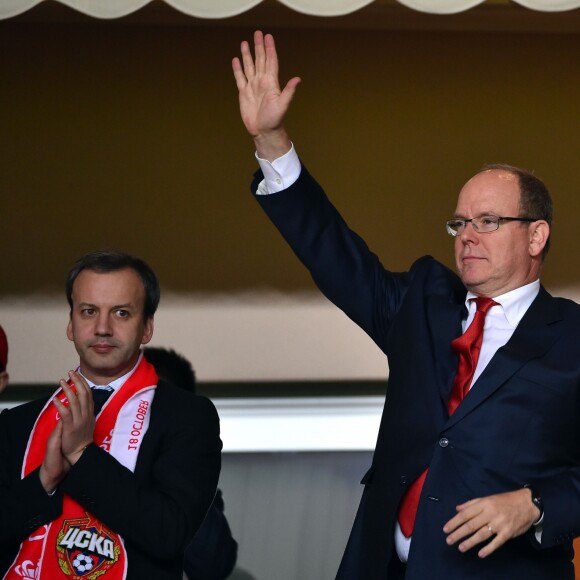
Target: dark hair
[(535, 199), (171, 367), (103, 261)]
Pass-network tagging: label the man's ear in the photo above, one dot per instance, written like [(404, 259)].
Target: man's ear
[(148, 331), (4, 377), (539, 233), (69, 330)]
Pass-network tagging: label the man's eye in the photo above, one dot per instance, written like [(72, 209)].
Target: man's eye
[(487, 220), (87, 311), (457, 224), (122, 313)]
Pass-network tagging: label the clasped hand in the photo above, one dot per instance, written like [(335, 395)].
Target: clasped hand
[(72, 434)]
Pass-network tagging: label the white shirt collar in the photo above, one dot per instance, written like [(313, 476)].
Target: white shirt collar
[(514, 303)]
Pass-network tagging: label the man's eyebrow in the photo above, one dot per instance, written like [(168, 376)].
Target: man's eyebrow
[(460, 216), (126, 306)]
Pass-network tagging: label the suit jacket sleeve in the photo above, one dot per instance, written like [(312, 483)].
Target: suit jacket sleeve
[(559, 425), (24, 505), (160, 506), (341, 264), (213, 552)]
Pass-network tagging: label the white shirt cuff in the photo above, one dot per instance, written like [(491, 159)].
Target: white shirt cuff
[(539, 529), (280, 174)]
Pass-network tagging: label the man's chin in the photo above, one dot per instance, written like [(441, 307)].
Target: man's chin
[(102, 365), (472, 276), (100, 361), (472, 283)]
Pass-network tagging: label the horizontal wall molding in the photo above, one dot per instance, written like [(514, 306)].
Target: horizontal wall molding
[(300, 424)]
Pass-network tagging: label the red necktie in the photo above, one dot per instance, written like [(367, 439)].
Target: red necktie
[(467, 347)]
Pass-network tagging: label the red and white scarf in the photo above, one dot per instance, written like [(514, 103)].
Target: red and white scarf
[(77, 546)]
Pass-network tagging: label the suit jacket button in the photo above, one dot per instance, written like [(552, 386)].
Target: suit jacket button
[(403, 479), (443, 442)]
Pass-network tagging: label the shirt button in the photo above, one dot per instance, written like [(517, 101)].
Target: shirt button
[(443, 442), (278, 181)]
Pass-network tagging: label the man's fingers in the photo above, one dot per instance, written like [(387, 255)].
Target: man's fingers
[(259, 52), (80, 407), (54, 466), (247, 60), (288, 93), (81, 385), (239, 76), (84, 395), (63, 410), (71, 396), (482, 534), (494, 520), (264, 62), (467, 504), (468, 528), (271, 57), (474, 531), (55, 438), (463, 516), (498, 541)]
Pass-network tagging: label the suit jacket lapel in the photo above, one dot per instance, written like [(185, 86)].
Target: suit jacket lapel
[(534, 335), (445, 316)]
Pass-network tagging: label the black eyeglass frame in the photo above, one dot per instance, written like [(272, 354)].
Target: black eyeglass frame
[(497, 219)]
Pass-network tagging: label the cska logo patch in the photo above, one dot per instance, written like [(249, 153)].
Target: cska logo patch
[(86, 549)]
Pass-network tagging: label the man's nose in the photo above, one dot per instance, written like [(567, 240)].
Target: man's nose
[(103, 327), (469, 233)]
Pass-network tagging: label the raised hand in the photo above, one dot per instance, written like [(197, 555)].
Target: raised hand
[(78, 419), (263, 105)]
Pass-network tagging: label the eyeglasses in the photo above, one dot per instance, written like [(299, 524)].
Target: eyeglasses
[(482, 225)]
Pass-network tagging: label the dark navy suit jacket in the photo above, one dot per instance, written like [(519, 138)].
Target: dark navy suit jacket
[(519, 424)]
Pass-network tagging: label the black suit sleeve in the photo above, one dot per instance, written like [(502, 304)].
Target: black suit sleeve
[(212, 553), (24, 504)]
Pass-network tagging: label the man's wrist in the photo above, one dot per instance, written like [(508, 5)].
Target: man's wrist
[(49, 483), (72, 458), (536, 499), (272, 145)]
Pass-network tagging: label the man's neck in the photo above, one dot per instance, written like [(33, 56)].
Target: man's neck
[(115, 381)]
